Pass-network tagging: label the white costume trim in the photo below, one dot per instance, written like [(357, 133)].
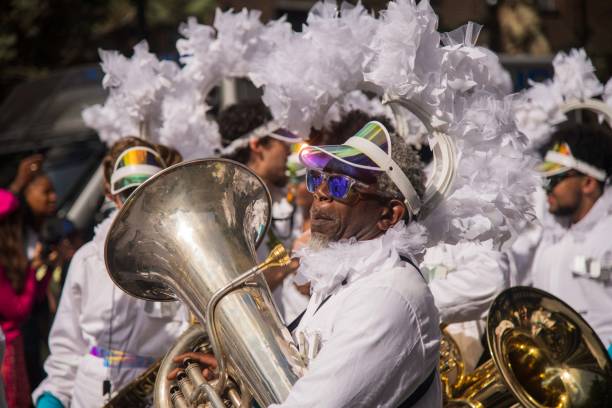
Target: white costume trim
[(326, 268)]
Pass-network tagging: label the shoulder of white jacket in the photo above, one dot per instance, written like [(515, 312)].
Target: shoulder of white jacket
[(404, 280), (84, 253)]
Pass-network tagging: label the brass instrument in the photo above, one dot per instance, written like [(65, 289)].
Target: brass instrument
[(139, 392), (190, 232), (543, 355)]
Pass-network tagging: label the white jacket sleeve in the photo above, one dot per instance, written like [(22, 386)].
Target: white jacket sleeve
[(66, 343), (474, 275), (520, 256), (374, 347)]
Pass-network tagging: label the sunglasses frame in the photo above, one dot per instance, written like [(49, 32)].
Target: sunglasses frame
[(553, 181), (352, 183)]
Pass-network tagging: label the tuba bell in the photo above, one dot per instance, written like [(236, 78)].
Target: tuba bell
[(543, 355), (190, 233)]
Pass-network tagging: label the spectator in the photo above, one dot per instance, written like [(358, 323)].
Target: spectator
[(19, 289)]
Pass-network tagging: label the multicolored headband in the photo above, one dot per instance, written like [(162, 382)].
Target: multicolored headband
[(133, 167), (560, 159)]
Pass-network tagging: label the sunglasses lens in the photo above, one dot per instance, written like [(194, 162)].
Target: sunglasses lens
[(314, 179), (339, 186)]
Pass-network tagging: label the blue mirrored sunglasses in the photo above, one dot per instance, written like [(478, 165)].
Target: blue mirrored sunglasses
[(338, 185)]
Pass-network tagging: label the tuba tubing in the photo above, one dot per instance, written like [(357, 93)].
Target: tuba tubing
[(190, 340)]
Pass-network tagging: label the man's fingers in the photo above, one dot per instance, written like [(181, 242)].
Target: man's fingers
[(172, 374), (205, 359)]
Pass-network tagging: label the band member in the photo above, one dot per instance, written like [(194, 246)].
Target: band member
[(570, 256), (101, 337), (370, 332), (251, 138)]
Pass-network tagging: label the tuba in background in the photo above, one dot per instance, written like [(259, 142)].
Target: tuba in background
[(543, 355), (190, 233)]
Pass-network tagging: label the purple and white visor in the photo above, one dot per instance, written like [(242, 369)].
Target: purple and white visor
[(367, 153), (271, 129)]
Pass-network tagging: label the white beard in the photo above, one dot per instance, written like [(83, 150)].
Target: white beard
[(327, 264), (318, 241)]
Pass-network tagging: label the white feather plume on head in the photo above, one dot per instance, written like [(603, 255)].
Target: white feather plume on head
[(357, 100), (326, 59), (136, 86), (459, 85), (185, 124), (538, 109), (494, 178)]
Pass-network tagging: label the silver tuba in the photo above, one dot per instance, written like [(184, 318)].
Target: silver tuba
[(190, 233)]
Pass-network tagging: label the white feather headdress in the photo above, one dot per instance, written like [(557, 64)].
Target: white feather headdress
[(136, 87), (574, 85), (457, 86)]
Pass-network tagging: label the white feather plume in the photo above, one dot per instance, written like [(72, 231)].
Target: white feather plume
[(538, 109), (136, 87), (307, 74)]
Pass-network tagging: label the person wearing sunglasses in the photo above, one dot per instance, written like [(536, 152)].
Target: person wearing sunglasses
[(370, 332), (570, 254), (102, 338), (251, 137)]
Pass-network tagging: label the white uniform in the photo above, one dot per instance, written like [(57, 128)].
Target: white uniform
[(375, 340), (564, 261), (90, 301), (464, 279)]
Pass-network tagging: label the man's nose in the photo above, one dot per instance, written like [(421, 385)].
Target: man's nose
[(322, 192)]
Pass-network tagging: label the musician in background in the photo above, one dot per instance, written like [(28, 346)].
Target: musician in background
[(251, 137), (101, 337), (570, 255)]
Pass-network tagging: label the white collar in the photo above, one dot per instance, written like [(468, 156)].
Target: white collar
[(349, 260)]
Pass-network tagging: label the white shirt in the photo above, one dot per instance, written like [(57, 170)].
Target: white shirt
[(465, 278), (547, 257), (379, 336), (88, 301)]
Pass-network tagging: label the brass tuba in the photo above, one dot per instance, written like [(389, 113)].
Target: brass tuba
[(543, 355), (190, 233)]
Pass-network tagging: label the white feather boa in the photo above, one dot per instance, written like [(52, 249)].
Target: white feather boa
[(350, 260)]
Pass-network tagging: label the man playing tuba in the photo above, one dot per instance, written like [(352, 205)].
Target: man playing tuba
[(370, 332)]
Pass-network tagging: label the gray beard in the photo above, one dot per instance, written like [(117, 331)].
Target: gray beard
[(318, 242)]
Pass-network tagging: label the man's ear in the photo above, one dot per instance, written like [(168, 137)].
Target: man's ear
[(591, 186), (391, 214), (114, 199), (255, 146)]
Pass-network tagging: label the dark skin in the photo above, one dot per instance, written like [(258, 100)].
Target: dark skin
[(363, 215), (574, 196)]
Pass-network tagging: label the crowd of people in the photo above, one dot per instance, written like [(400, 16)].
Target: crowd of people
[(385, 255)]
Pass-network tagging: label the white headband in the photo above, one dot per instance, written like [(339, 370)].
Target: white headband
[(573, 163)]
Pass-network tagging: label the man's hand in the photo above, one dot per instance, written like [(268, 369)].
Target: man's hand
[(208, 361), (26, 171), (277, 274)]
